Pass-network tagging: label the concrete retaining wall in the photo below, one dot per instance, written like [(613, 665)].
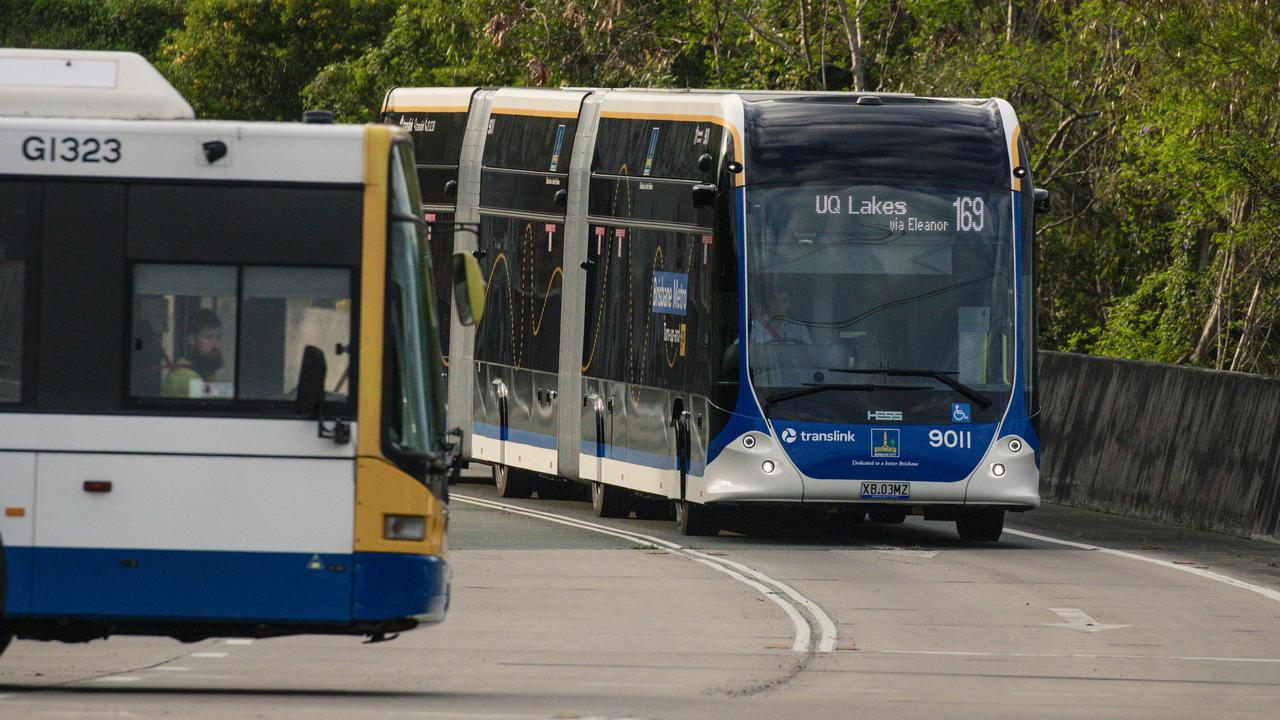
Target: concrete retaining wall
[(1183, 445)]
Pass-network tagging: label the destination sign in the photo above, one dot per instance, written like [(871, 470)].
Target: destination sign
[(904, 215)]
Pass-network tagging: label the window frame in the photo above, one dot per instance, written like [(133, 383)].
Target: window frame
[(237, 406), (412, 461)]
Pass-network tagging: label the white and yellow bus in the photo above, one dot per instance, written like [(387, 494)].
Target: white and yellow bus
[(218, 406)]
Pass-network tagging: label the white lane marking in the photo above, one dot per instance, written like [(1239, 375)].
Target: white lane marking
[(801, 641), (208, 655), (119, 679), (742, 573), (238, 641), (171, 668), (799, 644), (1265, 592), (1077, 619), (1081, 656), (826, 643)]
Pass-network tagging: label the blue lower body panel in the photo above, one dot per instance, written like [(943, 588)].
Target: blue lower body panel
[(230, 587), (392, 585), (190, 585)]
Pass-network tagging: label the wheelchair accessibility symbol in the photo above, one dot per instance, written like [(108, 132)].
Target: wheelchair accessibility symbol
[(960, 412)]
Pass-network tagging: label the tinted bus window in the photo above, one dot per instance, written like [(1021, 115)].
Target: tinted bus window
[(283, 310), (184, 320), (17, 222)]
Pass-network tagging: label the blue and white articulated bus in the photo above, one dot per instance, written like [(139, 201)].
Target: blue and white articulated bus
[(217, 413), (743, 299)]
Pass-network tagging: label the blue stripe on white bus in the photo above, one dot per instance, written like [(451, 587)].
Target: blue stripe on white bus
[(212, 585), (611, 452)]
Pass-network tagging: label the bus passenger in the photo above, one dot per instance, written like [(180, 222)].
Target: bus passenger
[(775, 326), (201, 359)]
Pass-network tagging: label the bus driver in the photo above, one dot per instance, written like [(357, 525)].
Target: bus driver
[(201, 359), (775, 326)]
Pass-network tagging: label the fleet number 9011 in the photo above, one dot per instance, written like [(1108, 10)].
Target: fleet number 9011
[(951, 438), (70, 150)]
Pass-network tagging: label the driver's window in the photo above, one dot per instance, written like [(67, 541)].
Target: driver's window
[(227, 333), (282, 311), (183, 343)]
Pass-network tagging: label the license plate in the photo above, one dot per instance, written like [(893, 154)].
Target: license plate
[(886, 491)]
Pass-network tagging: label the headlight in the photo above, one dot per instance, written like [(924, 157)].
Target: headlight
[(404, 527), (768, 467), (997, 469), (1015, 445)]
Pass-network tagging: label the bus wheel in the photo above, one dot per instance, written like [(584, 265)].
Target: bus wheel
[(981, 524), (888, 516), (648, 508), (610, 502), (555, 489), (510, 485), (695, 519)]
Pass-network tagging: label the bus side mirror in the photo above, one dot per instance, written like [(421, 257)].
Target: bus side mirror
[(468, 288), (704, 195), (1041, 199), (310, 382)]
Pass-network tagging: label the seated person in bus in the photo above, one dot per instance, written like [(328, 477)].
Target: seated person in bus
[(775, 326), (202, 356)]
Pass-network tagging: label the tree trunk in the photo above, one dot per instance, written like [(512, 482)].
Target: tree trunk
[(853, 31)]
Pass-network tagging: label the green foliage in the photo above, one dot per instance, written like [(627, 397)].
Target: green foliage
[(251, 59), (1153, 123), (134, 25)]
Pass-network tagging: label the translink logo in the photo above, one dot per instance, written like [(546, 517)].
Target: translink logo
[(790, 435)]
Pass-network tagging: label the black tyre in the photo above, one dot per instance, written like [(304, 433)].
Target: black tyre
[(981, 524), (695, 519), (511, 483), (651, 508), (888, 516), (610, 502), (555, 488)]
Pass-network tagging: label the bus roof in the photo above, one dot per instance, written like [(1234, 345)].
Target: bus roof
[(444, 99), (86, 84), (212, 150)]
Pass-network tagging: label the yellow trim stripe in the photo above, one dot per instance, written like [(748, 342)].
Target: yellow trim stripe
[(738, 154), (377, 153), (428, 108), (382, 488), (525, 112), (1016, 154)]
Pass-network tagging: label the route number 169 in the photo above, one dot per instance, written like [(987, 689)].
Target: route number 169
[(970, 213), (951, 439)]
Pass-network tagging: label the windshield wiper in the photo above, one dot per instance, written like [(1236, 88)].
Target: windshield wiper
[(941, 376)]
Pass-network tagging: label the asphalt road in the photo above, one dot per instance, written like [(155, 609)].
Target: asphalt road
[(554, 620)]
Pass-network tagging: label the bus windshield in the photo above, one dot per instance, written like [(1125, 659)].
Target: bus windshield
[(876, 302), (409, 423)]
